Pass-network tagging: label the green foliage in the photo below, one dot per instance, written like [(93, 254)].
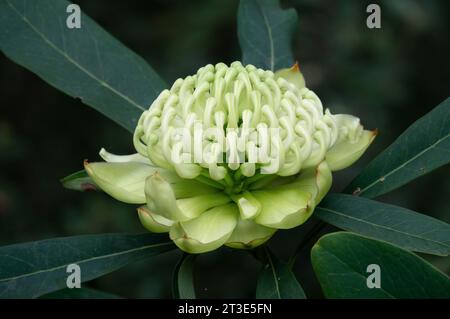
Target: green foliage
[(397, 225), (340, 261), (30, 270), (86, 63), (276, 281), (91, 65), (183, 278), (423, 147), (79, 181), (265, 33)]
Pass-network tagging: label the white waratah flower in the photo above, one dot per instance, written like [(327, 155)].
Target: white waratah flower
[(231, 154)]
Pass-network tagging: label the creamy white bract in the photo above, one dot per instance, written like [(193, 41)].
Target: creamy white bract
[(231, 154)]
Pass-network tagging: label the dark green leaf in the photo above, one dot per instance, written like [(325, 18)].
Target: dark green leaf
[(423, 147), (79, 181), (341, 261), (277, 281), (79, 293), (87, 63), (265, 33), (397, 225), (183, 278), (32, 269)]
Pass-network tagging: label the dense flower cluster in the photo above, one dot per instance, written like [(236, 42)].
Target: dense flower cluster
[(231, 154)]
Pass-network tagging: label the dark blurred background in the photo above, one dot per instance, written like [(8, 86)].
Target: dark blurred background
[(389, 77)]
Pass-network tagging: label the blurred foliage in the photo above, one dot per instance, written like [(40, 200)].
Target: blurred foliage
[(389, 77)]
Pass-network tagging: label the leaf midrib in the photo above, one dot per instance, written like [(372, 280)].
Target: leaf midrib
[(81, 261), (75, 63), (383, 227), (274, 274), (403, 165), (351, 268), (269, 32)]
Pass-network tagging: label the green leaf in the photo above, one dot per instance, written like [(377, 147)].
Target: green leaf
[(32, 269), (277, 281), (265, 34), (423, 147), (79, 181), (183, 278), (397, 225), (87, 63), (79, 293), (340, 261)]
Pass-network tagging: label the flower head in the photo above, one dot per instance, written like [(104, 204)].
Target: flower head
[(231, 154)]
